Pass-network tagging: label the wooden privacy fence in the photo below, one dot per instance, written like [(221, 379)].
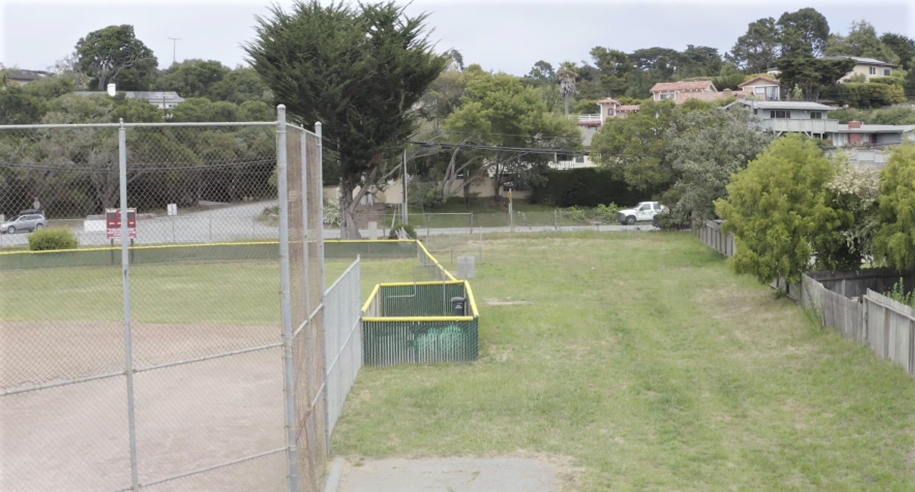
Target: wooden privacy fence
[(710, 233), (884, 325), (847, 302)]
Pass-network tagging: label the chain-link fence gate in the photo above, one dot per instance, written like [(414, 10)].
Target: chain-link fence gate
[(158, 354)]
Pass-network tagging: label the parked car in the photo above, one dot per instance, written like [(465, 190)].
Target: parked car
[(643, 212), (23, 222)]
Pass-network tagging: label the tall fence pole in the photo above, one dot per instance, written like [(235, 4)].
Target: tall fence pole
[(286, 299), (128, 337), (319, 172)]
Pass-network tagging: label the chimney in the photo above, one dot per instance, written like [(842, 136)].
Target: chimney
[(112, 90), (854, 124)]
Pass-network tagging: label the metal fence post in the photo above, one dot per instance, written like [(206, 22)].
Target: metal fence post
[(128, 338), (286, 298)]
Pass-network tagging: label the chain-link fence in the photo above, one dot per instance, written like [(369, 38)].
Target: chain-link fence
[(141, 363)]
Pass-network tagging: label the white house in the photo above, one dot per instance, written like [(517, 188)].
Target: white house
[(868, 67)]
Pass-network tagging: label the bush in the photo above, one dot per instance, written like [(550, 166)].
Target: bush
[(667, 222), (867, 95), (407, 228), (52, 239), (607, 213)]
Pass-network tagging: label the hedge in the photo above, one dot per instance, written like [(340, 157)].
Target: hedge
[(866, 95), (584, 187)]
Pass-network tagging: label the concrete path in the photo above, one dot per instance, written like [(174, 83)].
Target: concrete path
[(449, 475)]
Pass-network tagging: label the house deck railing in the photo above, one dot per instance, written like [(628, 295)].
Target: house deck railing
[(808, 126)]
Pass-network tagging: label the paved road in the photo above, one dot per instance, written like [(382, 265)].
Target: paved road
[(240, 223)]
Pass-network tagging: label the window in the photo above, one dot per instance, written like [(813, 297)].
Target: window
[(816, 115), (887, 72), (759, 90), (873, 70), (645, 208), (667, 95), (772, 93), (780, 115)]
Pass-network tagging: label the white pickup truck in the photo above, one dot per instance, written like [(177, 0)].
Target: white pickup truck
[(643, 212)]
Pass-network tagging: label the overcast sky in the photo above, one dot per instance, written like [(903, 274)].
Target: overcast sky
[(505, 36)]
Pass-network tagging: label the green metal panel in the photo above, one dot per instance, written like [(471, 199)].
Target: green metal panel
[(389, 343), (420, 300)]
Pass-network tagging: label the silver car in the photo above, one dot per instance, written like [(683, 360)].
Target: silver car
[(26, 222)]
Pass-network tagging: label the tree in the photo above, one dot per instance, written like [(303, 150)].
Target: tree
[(240, 85), (634, 148), (192, 78), (542, 72), (779, 210), (699, 61), (499, 110), (615, 71), (114, 54), (705, 148), (862, 41), (357, 70), (568, 76), (902, 46), (757, 50), (803, 33), (894, 241), (813, 74)]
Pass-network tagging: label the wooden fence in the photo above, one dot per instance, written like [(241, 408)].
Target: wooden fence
[(847, 302), (710, 233), (889, 329)]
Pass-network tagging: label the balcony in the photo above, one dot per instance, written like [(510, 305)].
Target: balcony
[(801, 126), (586, 119)]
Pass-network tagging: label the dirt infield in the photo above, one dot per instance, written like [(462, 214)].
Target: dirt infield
[(188, 417)]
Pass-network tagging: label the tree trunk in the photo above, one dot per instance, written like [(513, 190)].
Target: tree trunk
[(566, 98), (349, 229)]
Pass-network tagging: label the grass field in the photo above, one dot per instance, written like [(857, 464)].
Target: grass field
[(239, 293), (645, 364)]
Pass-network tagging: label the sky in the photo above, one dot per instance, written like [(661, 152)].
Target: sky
[(508, 36)]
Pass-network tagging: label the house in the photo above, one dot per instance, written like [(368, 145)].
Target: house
[(856, 134), (611, 108), (162, 100), (792, 116), (584, 160), (868, 67), (669, 90), (23, 77), (764, 88)]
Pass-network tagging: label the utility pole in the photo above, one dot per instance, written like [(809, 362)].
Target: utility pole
[(174, 48)]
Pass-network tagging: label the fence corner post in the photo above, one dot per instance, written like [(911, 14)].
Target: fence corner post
[(286, 298)]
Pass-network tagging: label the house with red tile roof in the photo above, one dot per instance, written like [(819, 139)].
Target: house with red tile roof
[(669, 90)]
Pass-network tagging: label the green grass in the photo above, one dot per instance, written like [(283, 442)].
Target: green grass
[(647, 364), (244, 292)]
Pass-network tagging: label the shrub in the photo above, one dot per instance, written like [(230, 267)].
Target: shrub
[(867, 95), (574, 214), (898, 294), (607, 213), (407, 228), (52, 239)]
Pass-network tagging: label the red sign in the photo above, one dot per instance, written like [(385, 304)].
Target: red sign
[(113, 223)]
